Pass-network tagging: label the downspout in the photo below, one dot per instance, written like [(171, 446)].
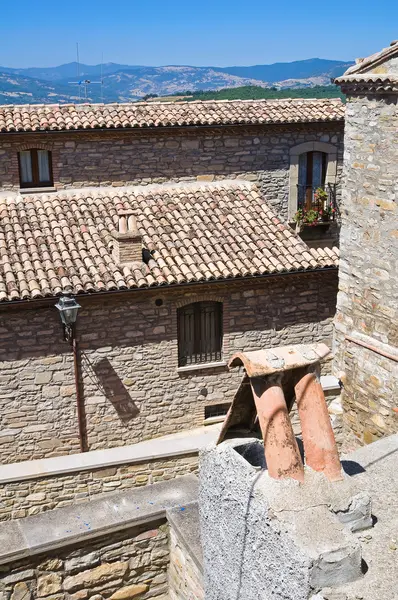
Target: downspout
[(81, 415)]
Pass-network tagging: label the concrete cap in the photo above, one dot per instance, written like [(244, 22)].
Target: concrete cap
[(80, 522)]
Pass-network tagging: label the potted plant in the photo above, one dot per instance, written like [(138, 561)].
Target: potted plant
[(321, 199), (306, 217), (311, 217), (298, 216)]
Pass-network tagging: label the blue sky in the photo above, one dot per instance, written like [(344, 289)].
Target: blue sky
[(195, 32)]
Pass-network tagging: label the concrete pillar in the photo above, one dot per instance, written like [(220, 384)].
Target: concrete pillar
[(320, 448), (280, 446)]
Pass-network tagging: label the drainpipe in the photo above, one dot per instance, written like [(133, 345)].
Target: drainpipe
[(81, 416)]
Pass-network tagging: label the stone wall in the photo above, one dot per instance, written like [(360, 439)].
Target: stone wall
[(29, 497), (130, 564), (367, 300), (131, 385), (137, 157), (185, 573)]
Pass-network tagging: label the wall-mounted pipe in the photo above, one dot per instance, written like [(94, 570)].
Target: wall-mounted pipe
[(81, 415), (371, 347)]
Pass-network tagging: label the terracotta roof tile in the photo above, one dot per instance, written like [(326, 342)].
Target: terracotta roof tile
[(369, 74), (363, 65), (61, 117), (192, 232)]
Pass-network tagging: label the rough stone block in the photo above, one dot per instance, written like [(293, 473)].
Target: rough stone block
[(130, 591), (21, 592), (48, 585), (93, 577), (82, 562)]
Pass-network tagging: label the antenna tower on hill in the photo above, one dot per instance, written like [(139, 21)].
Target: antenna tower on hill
[(83, 84)]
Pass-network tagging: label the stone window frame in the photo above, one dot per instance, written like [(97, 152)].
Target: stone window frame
[(295, 152)]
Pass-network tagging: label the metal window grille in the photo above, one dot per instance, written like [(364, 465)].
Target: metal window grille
[(216, 410), (307, 199), (199, 333)]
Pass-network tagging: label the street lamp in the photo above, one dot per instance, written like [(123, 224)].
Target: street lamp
[(68, 308)]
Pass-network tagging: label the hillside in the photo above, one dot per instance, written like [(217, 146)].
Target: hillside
[(18, 89), (257, 93), (298, 70), (123, 83)]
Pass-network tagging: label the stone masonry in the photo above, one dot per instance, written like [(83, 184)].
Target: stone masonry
[(130, 381), (127, 565), (259, 154), (367, 310), (185, 573), (31, 497)]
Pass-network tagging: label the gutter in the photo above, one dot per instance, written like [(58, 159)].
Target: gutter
[(168, 127), (48, 301)]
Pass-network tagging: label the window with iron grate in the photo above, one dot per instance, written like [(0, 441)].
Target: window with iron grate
[(216, 410), (199, 333)]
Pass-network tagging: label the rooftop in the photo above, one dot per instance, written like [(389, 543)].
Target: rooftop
[(71, 117), (191, 232), (371, 72)]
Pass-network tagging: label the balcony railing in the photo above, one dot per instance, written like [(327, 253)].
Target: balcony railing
[(316, 204)]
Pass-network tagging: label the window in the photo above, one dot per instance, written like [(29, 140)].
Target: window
[(311, 176), (199, 333), (312, 165), (213, 411), (35, 168)]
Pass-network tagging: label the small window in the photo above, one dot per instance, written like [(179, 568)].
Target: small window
[(199, 333), (312, 175), (35, 168), (216, 410)]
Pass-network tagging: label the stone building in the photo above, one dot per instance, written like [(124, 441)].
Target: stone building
[(289, 147), (367, 311), (172, 279)]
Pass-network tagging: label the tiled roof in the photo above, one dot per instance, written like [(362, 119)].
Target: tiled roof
[(368, 81), (192, 232), (364, 64), (368, 71), (60, 117)]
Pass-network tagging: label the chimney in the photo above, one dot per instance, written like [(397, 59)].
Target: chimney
[(127, 247), (275, 375)]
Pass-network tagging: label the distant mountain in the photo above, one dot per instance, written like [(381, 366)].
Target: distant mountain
[(68, 71), (127, 84), (122, 83), (299, 69), (17, 89)]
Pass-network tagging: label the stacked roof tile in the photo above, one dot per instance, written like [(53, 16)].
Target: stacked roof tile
[(192, 232), (369, 73), (363, 65), (70, 117)]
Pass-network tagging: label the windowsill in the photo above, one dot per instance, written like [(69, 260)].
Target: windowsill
[(214, 420), (37, 190), (202, 366), (314, 225)]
